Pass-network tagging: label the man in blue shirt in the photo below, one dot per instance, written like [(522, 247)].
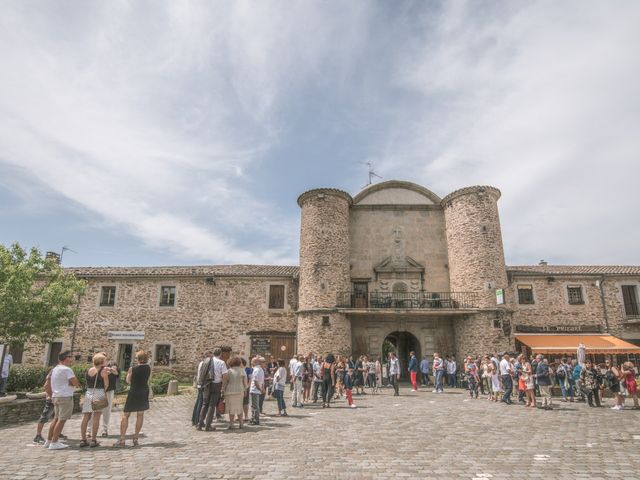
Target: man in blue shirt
[(424, 369)]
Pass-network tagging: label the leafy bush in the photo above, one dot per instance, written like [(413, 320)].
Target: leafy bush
[(26, 378), (160, 382), (80, 369)]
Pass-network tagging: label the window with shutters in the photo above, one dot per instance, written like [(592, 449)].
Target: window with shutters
[(276, 297), (630, 300), (574, 293), (525, 294)]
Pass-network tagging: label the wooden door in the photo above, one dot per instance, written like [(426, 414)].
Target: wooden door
[(283, 346)]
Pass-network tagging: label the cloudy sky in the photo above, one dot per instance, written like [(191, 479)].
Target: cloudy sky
[(182, 132)]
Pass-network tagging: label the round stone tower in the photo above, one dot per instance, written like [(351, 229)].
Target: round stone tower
[(324, 271), (474, 243)]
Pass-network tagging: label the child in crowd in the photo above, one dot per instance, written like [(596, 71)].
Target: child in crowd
[(348, 387)]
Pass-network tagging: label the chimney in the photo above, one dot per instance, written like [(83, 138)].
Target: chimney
[(543, 262), (53, 256)]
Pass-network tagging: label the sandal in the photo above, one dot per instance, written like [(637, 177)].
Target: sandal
[(83, 444), (120, 443), (135, 440), (94, 444)]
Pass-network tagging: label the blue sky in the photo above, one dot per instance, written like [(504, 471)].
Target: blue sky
[(168, 133)]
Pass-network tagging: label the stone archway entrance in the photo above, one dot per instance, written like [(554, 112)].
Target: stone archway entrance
[(402, 343)]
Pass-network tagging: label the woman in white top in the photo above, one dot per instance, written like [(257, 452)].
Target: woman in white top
[(279, 381), (495, 381)]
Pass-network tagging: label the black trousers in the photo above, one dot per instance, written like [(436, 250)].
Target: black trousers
[(327, 390), (593, 396), (314, 390), (211, 393), (394, 382)]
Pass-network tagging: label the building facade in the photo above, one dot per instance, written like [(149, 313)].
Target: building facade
[(394, 267)]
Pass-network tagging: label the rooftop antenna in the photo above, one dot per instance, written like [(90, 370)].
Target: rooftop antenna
[(65, 249), (371, 173)]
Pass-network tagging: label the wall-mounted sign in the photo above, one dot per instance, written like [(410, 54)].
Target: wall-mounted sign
[(500, 296), (261, 346), (125, 335), (559, 329)]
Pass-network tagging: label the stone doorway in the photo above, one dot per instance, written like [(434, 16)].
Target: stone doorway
[(402, 343)]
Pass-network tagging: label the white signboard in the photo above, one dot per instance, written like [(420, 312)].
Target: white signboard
[(125, 335)]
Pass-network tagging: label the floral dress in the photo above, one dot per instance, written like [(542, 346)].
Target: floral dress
[(472, 379)]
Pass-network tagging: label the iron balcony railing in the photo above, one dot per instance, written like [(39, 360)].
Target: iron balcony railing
[(420, 300)]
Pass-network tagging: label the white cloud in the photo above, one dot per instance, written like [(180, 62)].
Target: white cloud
[(541, 101), (150, 114)]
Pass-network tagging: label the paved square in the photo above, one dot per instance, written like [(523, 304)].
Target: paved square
[(416, 435)]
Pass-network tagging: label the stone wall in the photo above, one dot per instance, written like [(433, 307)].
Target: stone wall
[(205, 315), (475, 334), (316, 337), (474, 240), (380, 232), (27, 410), (324, 248), (552, 308)]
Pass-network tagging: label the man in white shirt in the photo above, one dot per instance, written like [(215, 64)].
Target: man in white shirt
[(213, 377), (394, 372), (256, 389), (63, 386), (507, 381), (4, 375), (296, 380)]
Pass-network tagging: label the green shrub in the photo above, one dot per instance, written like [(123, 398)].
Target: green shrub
[(160, 382), (26, 378), (80, 369)]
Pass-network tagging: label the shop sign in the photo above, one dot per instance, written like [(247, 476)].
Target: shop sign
[(115, 335), (500, 296), (558, 329)]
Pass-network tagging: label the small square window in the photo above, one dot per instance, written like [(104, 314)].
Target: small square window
[(525, 294), (276, 296), (162, 354), (108, 296), (575, 295), (497, 323), (326, 321), (167, 296)]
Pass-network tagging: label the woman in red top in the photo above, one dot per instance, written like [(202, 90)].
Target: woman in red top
[(629, 375)]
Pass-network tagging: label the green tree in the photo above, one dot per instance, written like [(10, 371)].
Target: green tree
[(38, 299)]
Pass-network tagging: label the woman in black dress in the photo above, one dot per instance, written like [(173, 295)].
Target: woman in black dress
[(137, 398)]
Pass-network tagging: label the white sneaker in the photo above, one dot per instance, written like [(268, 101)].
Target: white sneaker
[(353, 405), (413, 390), (57, 446), (46, 444), (434, 391)]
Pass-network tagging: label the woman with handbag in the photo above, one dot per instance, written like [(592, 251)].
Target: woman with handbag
[(95, 399), (137, 398)]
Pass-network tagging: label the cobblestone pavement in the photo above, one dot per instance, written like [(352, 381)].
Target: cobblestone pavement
[(416, 435)]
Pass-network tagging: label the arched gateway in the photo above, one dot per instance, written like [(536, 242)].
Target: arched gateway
[(402, 343)]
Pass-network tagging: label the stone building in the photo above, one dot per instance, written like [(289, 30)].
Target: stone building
[(395, 266)]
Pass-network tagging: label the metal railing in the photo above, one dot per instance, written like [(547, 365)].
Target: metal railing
[(417, 300)]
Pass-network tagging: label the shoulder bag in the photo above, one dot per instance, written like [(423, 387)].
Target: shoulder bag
[(100, 403)]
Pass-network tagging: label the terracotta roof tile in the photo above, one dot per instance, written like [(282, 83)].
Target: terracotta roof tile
[(576, 269), (188, 271)]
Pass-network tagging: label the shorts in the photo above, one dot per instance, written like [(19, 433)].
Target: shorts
[(47, 412), (63, 407)]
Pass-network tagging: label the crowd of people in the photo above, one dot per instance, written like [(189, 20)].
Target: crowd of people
[(230, 385), (101, 381)]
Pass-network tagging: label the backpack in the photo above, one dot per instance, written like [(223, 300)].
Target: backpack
[(561, 373)]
